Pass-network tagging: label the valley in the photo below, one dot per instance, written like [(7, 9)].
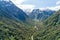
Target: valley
[(15, 24)]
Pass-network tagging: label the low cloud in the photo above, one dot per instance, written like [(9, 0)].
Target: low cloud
[(18, 2), (22, 6), (56, 8), (26, 6)]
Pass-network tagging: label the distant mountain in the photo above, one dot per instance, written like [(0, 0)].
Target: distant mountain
[(12, 11), (41, 14)]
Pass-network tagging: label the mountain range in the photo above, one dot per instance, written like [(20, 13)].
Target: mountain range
[(40, 15), (15, 24)]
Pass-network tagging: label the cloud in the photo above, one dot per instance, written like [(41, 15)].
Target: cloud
[(58, 2), (22, 6), (56, 8), (30, 6), (17, 2), (26, 6)]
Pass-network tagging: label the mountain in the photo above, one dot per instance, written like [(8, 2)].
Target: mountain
[(12, 22), (51, 30), (12, 10), (41, 15)]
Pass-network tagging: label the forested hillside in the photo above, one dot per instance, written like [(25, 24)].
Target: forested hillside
[(11, 29), (51, 30)]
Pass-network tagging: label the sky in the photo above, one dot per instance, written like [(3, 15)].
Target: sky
[(37, 4)]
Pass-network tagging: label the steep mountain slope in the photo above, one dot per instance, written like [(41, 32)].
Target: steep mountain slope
[(10, 9), (51, 29), (14, 30), (41, 15)]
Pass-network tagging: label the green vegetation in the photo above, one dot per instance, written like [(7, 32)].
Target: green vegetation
[(14, 30), (51, 30), (11, 29)]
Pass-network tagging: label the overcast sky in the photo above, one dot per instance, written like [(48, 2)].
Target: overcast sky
[(42, 4)]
